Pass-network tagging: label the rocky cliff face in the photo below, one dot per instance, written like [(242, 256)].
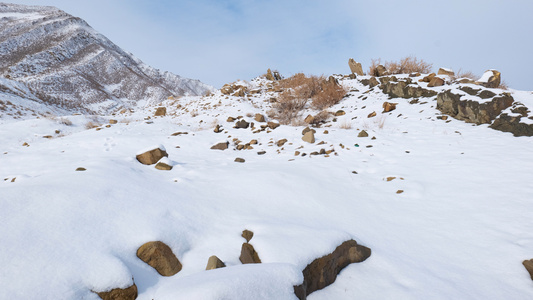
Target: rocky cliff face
[(57, 59)]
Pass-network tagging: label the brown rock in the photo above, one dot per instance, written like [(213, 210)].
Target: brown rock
[(129, 293), (179, 133), (309, 137), (387, 106), (163, 166), (151, 157), (306, 129), (269, 75), (230, 119), (281, 142), (355, 67), (490, 79), (239, 160), (160, 257), (399, 191), (380, 71), (160, 111), (272, 125), (436, 81), (220, 146), (218, 129), (113, 121), (528, 264), (447, 72), (323, 271), (309, 119), (248, 255), (259, 118), (372, 114), (242, 124), (247, 234), (214, 263), (373, 82), (81, 169), (428, 78), (362, 134), (339, 113), (473, 111)]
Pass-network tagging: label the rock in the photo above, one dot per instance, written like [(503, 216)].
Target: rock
[(528, 264), (242, 124), (248, 255), (436, 81), (152, 156), (469, 90), (473, 111), (239, 160), (339, 113), (309, 137), (428, 78), (220, 146), (25, 144), (512, 124), (272, 125), (355, 67), (179, 133), (129, 293), (388, 107), (444, 71), (372, 114), (113, 121), (261, 152), (160, 111), (490, 79), (276, 75), (218, 129), (309, 119), (362, 134), (332, 80), (323, 271), (231, 119), (399, 191), (214, 263), (380, 71), (160, 257), (373, 82), (281, 142), (81, 169), (306, 129), (269, 75), (164, 164), (259, 118), (247, 235), (486, 94)]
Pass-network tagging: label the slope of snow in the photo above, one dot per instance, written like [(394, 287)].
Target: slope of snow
[(459, 230)]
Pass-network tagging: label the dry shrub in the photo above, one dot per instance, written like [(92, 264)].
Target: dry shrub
[(345, 125), (406, 65), (288, 107), (503, 85), (65, 121), (91, 125), (466, 74), (330, 94), (321, 117)]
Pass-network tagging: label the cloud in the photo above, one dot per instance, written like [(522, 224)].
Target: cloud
[(221, 41)]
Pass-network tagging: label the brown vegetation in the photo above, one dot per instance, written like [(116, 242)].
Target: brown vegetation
[(406, 65)]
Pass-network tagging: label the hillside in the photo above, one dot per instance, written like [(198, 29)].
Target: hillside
[(50, 57), (441, 199)]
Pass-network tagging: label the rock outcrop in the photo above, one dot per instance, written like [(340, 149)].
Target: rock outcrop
[(355, 67), (490, 79), (323, 271), (160, 257)]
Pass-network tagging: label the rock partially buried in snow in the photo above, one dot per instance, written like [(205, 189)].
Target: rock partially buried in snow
[(490, 79), (528, 264), (259, 118), (220, 146), (388, 107), (240, 160), (152, 156), (214, 263), (362, 134), (160, 111), (242, 124), (309, 137), (323, 271), (436, 81), (248, 255), (164, 164), (160, 257), (129, 293)]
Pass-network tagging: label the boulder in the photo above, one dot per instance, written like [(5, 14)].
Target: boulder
[(323, 271), (309, 119), (388, 107), (160, 257), (309, 137), (436, 81), (490, 79), (231, 119), (214, 263), (373, 82), (152, 156), (362, 134), (355, 67), (447, 72), (164, 164), (512, 124), (259, 118), (129, 293), (242, 124), (528, 264), (248, 255), (380, 71), (272, 125), (160, 111), (247, 235), (220, 146), (428, 78)]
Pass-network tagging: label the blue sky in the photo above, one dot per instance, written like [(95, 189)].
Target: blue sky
[(222, 41)]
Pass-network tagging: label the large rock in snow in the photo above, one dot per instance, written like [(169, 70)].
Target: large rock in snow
[(152, 156), (490, 79), (355, 67), (129, 293), (160, 257), (528, 264)]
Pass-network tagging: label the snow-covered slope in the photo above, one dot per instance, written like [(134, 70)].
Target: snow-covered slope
[(443, 204), (65, 63)]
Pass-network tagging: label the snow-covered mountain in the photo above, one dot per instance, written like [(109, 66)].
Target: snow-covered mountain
[(53, 58)]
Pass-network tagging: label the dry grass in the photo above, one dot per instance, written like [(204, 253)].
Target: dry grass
[(330, 94), (406, 65), (345, 125), (466, 74), (288, 107), (91, 125), (65, 121)]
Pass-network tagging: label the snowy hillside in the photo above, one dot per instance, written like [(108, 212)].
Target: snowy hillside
[(62, 62), (443, 204)]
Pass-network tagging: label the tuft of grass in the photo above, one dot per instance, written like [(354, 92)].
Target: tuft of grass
[(91, 125), (407, 65)]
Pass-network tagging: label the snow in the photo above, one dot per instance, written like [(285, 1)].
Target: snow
[(460, 229), (486, 76)]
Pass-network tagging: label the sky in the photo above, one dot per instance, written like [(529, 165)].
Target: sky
[(222, 41)]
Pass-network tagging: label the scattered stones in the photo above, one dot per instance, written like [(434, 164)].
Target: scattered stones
[(372, 114), (220, 146), (259, 118), (528, 264), (247, 235), (248, 254), (129, 293), (362, 134), (444, 71), (81, 169), (218, 129), (323, 271), (239, 160), (160, 257), (160, 111), (152, 156), (309, 137), (355, 67), (242, 124), (214, 263), (388, 107), (281, 142), (339, 113)]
